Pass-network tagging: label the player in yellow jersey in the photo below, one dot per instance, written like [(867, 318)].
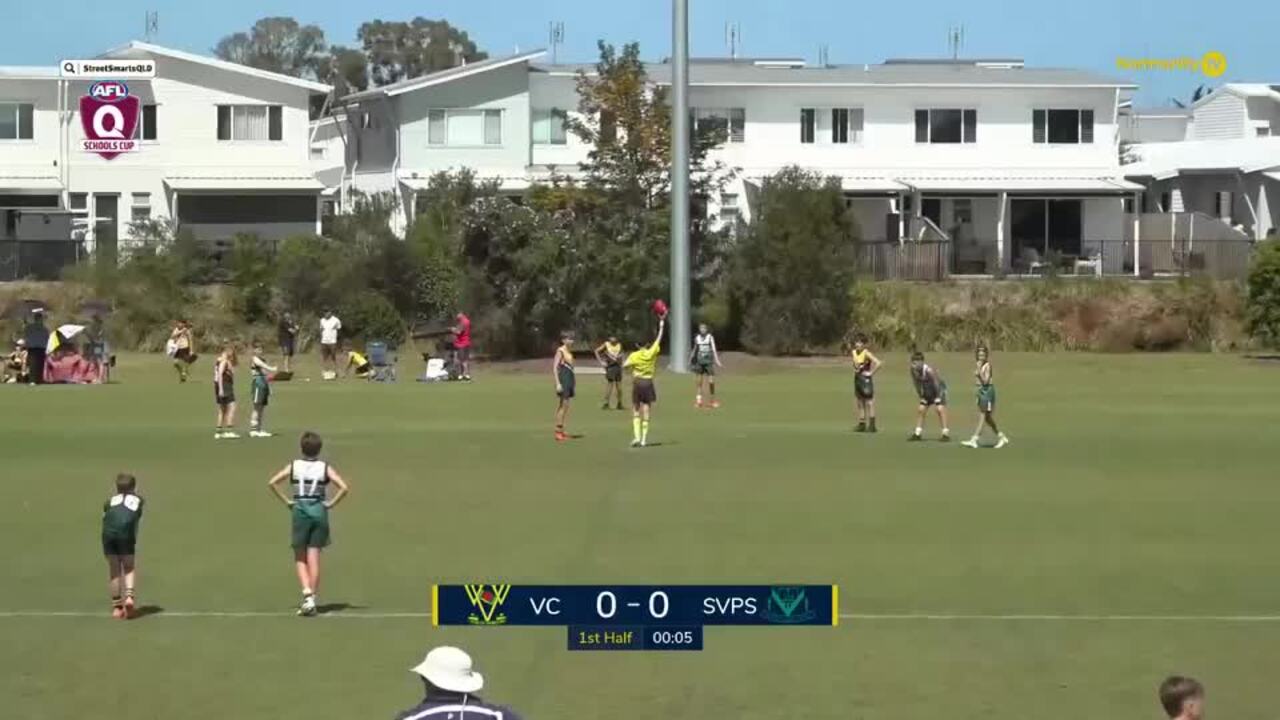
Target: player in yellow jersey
[(865, 365), (644, 365), (609, 355)]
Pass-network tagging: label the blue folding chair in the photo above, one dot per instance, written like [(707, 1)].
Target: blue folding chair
[(382, 362)]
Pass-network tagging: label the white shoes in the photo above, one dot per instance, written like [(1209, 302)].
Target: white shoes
[(970, 443), (1004, 440), (260, 434)]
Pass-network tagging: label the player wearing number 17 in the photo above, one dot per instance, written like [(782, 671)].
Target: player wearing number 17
[(644, 365), (310, 504)]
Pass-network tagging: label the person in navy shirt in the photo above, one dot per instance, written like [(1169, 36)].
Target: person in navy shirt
[(451, 687)]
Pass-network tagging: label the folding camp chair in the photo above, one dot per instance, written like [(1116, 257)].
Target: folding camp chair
[(383, 362)]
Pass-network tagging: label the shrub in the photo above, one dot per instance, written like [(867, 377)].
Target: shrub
[(1262, 304), (370, 316)]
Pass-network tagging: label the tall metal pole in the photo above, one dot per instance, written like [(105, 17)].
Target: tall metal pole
[(680, 331)]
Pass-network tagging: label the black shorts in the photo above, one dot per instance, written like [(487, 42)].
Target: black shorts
[(328, 351), (707, 368), (112, 545), (613, 373), (568, 384), (184, 354), (643, 392), (286, 347), (364, 369), (863, 387), (463, 354), (228, 395)]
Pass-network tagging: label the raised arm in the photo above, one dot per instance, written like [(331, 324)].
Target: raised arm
[(343, 488), (274, 485), (662, 324)]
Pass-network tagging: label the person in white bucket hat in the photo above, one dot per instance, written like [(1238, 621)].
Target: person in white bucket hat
[(451, 683)]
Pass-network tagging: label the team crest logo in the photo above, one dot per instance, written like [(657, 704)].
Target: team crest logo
[(109, 116), (487, 600), (788, 606)]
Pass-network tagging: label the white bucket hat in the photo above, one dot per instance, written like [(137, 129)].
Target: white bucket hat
[(449, 668)]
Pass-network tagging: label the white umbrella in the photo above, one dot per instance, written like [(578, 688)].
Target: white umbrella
[(63, 334)]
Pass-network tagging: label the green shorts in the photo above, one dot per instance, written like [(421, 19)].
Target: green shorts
[(987, 398), (704, 368), (261, 391), (119, 544), (310, 524), (864, 388)]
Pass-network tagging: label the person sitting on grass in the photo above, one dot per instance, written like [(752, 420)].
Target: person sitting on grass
[(1182, 698), (224, 393), (121, 516), (309, 478), (566, 382), (15, 363), (986, 400), (609, 355), (932, 391), (359, 363), (261, 392)]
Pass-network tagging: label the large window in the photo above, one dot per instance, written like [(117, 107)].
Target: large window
[(464, 128), (250, 123), (733, 120), (146, 129), (1063, 127), (946, 125), (808, 124), (17, 121), (548, 127), (243, 209)]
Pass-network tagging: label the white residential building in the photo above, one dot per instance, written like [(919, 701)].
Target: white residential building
[(224, 149), (1225, 167), (1010, 162)]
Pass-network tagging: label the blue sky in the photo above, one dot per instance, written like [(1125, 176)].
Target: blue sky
[(1074, 33)]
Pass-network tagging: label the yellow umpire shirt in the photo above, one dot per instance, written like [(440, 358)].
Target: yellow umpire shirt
[(644, 363)]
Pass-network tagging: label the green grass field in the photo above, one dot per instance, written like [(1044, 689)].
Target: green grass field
[(1128, 532)]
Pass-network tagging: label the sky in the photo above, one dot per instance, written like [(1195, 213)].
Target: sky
[(1086, 34)]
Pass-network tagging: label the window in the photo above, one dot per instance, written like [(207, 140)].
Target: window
[(1166, 202), (846, 125), (236, 209), (962, 211), (1224, 205), (248, 123), (16, 121), (141, 207), (1062, 127), (368, 121), (78, 202), (1127, 204), (945, 125), (808, 124), (732, 120), (548, 127), (608, 127), (1263, 131), (728, 206), (146, 129), (464, 128)]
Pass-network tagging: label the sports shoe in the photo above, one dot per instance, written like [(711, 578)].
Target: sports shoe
[(604, 406), (117, 612), (308, 606), (715, 404), (914, 438), (561, 437), (129, 611), (872, 426), (635, 443), (970, 443), (619, 407), (230, 436), (219, 435), (862, 427), (260, 434), (945, 438), (1004, 440)]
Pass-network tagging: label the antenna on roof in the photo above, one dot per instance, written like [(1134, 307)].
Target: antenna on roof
[(151, 26), (824, 55), (555, 38), (733, 38), (955, 40)]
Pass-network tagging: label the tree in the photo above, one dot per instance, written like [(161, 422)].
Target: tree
[(401, 50), (277, 44), (346, 69), (627, 122), (794, 266), (1262, 302)]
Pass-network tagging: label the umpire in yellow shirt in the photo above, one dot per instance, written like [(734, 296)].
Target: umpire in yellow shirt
[(644, 365)]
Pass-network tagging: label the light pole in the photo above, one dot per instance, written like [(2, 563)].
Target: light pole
[(680, 310)]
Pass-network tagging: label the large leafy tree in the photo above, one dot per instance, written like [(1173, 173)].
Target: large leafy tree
[(346, 69), (401, 50), (277, 44), (794, 266)]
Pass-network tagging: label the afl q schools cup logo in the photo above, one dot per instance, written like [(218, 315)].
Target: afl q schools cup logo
[(109, 116)]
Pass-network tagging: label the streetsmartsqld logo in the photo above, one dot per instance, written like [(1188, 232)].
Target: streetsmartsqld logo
[(109, 116)]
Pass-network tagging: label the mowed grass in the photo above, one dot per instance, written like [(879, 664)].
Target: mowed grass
[(1139, 496)]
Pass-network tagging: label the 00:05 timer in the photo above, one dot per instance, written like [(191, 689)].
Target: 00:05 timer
[(668, 637)]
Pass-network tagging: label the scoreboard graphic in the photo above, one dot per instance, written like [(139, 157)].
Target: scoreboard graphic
[(634, 617)]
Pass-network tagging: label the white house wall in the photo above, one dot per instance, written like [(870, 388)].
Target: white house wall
[(1222, 116), (40, 153)]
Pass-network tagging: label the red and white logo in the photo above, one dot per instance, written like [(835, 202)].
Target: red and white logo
[(109, 116)]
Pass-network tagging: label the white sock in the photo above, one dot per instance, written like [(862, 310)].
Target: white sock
[(919, 431)]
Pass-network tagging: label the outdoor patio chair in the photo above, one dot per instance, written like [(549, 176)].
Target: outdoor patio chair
[(383, 362)]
